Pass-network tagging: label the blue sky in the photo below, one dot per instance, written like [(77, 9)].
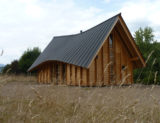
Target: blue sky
[(31, 23)]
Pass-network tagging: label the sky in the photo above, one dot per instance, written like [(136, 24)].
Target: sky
[(33, 23)]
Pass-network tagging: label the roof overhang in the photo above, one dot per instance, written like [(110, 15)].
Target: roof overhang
[(138, 58)]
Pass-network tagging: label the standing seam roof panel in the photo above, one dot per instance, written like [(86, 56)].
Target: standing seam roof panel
[(76, 49)]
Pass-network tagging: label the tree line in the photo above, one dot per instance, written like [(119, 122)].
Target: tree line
[(21, 66), (150, 50)]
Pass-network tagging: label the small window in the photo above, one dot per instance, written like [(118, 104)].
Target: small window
[(111, 58), (123, 67), (110, 41)]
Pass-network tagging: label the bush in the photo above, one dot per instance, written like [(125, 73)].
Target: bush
[(28, 58), (22, 65), (150, 49)]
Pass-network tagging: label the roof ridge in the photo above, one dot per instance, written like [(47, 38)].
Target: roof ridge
[(87, 29)]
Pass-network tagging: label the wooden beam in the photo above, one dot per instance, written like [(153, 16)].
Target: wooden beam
[(45, 73), (118, 59), (78, 76), (81, 76), (124, 63), (41, 74), (64, 73), (38, 76), (68, 74), (76, 81), (92, 74), (107, 66), (102, 68), (73, 75), (60, 73), (88, 84), (49, 73), (84, 77), (105, 62), (134, 59), (95, 64), (53, 73), (128, 71), (99, 69)]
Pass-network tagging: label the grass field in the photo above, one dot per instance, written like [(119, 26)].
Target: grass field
[(23, 100)]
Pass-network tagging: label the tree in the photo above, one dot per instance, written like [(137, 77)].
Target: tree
[(6, 69), (28, 58), (150, 49), (12, 68), (25, 61)]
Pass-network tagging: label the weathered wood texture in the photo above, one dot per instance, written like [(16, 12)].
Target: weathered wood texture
[(92, 74), (68, 78), (106, 62), (78, 80)]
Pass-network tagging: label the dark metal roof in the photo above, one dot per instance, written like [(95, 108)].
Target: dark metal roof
[(78, 49)]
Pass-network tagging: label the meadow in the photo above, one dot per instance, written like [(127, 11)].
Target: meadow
[(22, 100)]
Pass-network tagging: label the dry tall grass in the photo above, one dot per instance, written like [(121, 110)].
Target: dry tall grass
[(34, 103), (15, 78)]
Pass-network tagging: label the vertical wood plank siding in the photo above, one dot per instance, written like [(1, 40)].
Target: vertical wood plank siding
[(84, 77), (53, 73), (78, 76), (92, 74), (118, 60), (95, 74), (68, 74), (106, 62), (99, 68), (38, 76), (73, 75)]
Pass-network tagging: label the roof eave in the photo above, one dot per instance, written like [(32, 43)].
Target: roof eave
[(143, 64)]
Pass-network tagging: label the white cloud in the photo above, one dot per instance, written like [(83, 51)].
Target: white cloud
[(141, 14), (29, 23), (107, 1)]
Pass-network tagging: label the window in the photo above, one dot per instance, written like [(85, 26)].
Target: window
[(123, 67), (110, 41), (111, 57)]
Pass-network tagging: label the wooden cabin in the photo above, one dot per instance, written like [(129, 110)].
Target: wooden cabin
[(103, 55)]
